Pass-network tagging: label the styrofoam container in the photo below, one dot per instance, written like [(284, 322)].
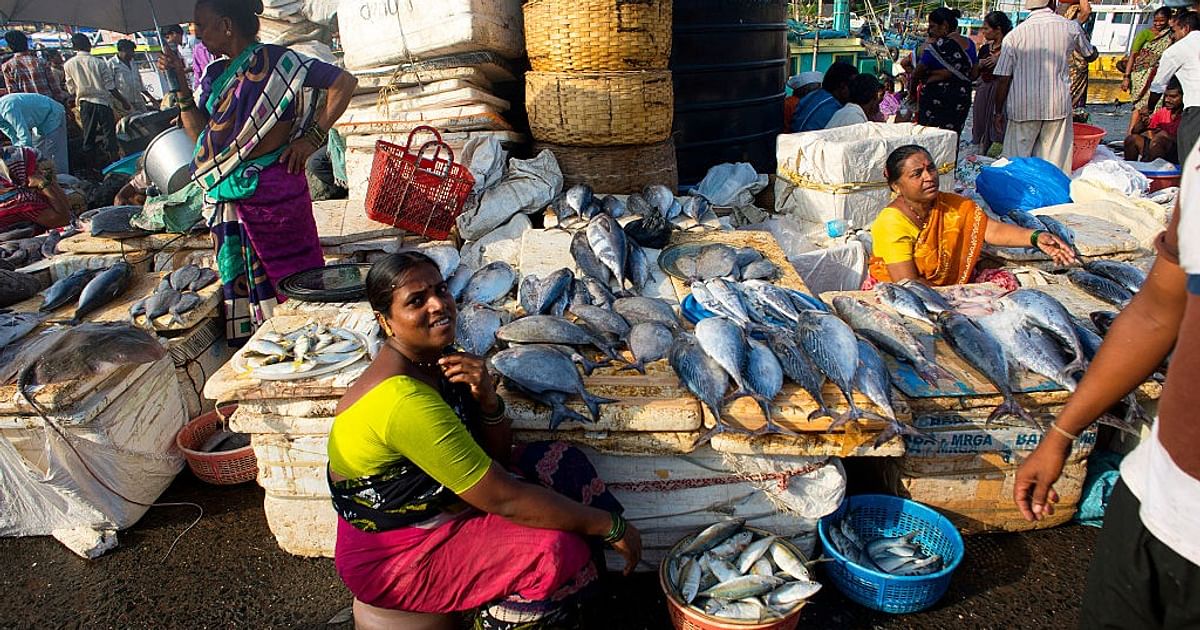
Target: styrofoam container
[(384, 32)]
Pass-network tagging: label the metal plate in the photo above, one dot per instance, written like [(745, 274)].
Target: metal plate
[(333, 283)]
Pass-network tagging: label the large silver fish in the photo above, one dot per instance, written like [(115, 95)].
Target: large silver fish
[(703, 376), (545, 370), (663, 200), (716, 261), (875, 382), (539, 296), (889, 334), (649, 342), (640, 271), (903, 301), (578, 198), (67, 289), (764, 375), (1045, 312), (601, 320), (637, 310), (579, 358), (934, 302), (833, 348), (776, 300), (984, 353), (107, 286), (759, 269), (476, 328), (491, 283), (1122, 273), (607, 241), (599, 292), (800, 369), (585, 259), (725, 342), (182, 278), (551, 329), (727, 294), (160, 303), (1101, 287)]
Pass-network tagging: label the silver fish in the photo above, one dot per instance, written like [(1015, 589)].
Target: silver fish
[(889, 334), (637, 310), (649, 342), (187, 302), (798, 367), (607, 241), (613, 207), (599, 292), (265, 348), (662, 199), (899, 545), (791, 593), (1103, 320), (761, 312), (1122, 273), (182, 278), (722, 569), (490, 283), (1059, 229), (204, 278), (764, 374), (833, 348), (789, 562), (1025, 220), (922, 566), (586, 260), (578, 198), (903, 301), (1047, 313), (50, 245), (67, 289), (715, 261), (730, 298), (732, 546), (722, 340), (1101, 287), (578, 357), (874, 381), (694, 207), (934, 302), (753, 552), (640, 271), (775, 300), (703, 376), (743, 587), (759, 270), (161, 302), (762, 567), (476, 326), (107, 286), (712, 536), (539, 296), (689, 577), (601, 320), (984, 353), (541, 369), (549, 329)]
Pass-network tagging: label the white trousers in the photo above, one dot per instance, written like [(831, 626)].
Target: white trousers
[(1050, 140)]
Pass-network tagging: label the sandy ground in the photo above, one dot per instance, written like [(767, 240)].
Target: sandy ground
[(228, 572)]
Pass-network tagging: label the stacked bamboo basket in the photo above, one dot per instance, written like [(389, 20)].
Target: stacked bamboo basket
[(600, 96)]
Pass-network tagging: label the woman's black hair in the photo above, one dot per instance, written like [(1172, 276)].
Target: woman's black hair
[(243, 13), (896, 159), (947, 16), (386, 274), (864, 88), (1166, 12), (1000, 21)]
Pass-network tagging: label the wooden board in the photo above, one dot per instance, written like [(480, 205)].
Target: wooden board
[(660, 442), (841, 444), (341, 221), (227, 385), (72, 402), (84, 243), (142, 286)]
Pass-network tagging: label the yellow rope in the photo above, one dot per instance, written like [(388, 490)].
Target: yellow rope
[(801, 181)]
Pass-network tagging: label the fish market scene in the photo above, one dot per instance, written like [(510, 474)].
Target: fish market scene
[(597, 314)]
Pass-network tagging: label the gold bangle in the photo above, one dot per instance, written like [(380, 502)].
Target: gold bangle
[(1063, 432), (496, 418)]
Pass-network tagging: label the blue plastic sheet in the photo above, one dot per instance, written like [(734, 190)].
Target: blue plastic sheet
[(1103, 473), (1023, 184)]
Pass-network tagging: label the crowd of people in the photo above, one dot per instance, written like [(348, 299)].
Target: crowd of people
[(1026, 85)]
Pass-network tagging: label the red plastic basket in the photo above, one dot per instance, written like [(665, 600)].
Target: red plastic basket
[(222, 468), (414, 192)]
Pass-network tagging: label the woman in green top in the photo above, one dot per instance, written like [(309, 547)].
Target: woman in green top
[(1148, 47), (438, 512)]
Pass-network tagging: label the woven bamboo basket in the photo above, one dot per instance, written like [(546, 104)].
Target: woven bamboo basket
[(591, 35), (616, 170), (600, 109)]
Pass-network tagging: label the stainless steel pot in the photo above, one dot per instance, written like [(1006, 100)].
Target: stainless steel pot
[(168, 160)]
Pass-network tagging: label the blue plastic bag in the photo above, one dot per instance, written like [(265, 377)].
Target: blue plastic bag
[(1023, 184)]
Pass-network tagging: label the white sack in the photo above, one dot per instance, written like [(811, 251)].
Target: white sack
[(484, 157), (383, 32), (1116, 175), (528, 186)]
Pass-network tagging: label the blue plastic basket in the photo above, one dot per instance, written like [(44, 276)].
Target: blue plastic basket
[(878, 515)]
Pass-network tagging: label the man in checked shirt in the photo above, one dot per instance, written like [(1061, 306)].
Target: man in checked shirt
[(26, 72)]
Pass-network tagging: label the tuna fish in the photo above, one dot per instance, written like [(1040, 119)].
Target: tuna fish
[(539, 296), (649, 342), (102, 289), (613, 207), (712, 536), (114, 222), (727, 294), (598, 290), (1046, 313), (799, 369), (607, 241), (162, 300), (722, 340), (66, 290), (903, 301), (491, 283), (637, 310), (704, 377), (640, 270), (578, 357), (744, 587), (545, 370), (182, 278), (457, 282), (889, 334), (715, 261), (759, 270), (694, 207), (187, 302), (663, 200), (934, 302), (1103, 320), (1059, 229), (1122, 273), (1025, 220), (476, 328), (775, 301), (550, 329), (874, 381), (601, 321), (14, 326), (1101, 288), (833, 348), (984, 353), (585, 259), (764, 375)]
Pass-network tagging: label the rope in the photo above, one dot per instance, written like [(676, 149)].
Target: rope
[(782, 478), (802, 181)]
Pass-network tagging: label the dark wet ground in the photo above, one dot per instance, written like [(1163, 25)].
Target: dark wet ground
[(228, 572)]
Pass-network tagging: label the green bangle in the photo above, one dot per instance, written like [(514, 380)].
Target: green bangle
[(1033, 238), (617, 532)]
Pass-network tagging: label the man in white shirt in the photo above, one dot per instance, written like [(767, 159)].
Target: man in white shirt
[(1034, 84), (1182, 61), (865, 94), (1145, 570), (91, 81), (128, 80)]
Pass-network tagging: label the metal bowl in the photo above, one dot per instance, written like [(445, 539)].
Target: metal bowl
[(168, 160)]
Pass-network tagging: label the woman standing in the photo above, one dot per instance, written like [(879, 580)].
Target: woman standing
[(986, 129), (1148, 47), (256, 122), (944, 73), (1080, 12), (432, 519)]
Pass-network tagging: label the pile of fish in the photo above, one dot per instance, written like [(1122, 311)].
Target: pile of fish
[(89, 289), (176, 294), (657, 208), (276, 355), (730, 572), (895, 555), (1112, 281), (717, 260), (20, 247)]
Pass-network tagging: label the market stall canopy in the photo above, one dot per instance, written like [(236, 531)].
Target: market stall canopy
[(123, 16)]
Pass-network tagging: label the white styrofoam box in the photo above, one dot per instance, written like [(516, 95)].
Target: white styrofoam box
[(199, 355), (838, 173), (292, 466), (382, 32), (170, 261), (303, 526)]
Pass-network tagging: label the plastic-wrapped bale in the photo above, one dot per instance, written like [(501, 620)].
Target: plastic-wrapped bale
[(838, 173), (381, 33)]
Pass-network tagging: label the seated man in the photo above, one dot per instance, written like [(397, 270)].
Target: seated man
[(863, 105), (1155, 138)]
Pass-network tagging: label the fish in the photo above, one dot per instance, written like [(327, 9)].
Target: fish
[(732, 546), (759, 270), (703, 376), (662, 199), (90, 348), (753, 552), (743, 587), (652, 229), (607, 241), (875, 382), (694, 207), (1047, 313), (793, 592), (283, 368), (760, 311), (706, 300), (613, 207), (689, 576), (846, 546), (562, 211), (67, 289), (1089, 341), (182, 278), (640, 270), (888, 334), (601, 321), (476, 327), (715, 261), (578, 357), (541, 369), (490, 283), (578, 198), (764, 375), (586, 260), (444, 256), (187, 302), (898, 545), (762, 566), (775, 300), (50, 245), (722, 340), (789, 562), (457, 283), (536, 329), (538, 296), (727, 294), (742, 610), (800, 369), (114, 222), (1101, 288), (204, 278), (903, 301), (833, 348), (921, 566), (984, 353), (722, 569), (266, 348), (934, 302), (637, 310), (599, 292), (712, 536), (161, 301), (138, 308), (14, 326), (1059, 229), (1025, 220), (102, 289), (1103, 320), (649, 342), (1122, 273)]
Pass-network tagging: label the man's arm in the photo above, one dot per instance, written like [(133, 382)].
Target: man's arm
[(1082, 43), (1168, 65)]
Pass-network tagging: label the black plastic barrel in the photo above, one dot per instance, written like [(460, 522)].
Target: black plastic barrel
[(729, 65)]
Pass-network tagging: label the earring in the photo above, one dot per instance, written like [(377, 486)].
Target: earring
[(387, 330)]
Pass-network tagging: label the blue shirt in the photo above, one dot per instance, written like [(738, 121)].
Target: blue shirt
[(814, 111), (21, 114)]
